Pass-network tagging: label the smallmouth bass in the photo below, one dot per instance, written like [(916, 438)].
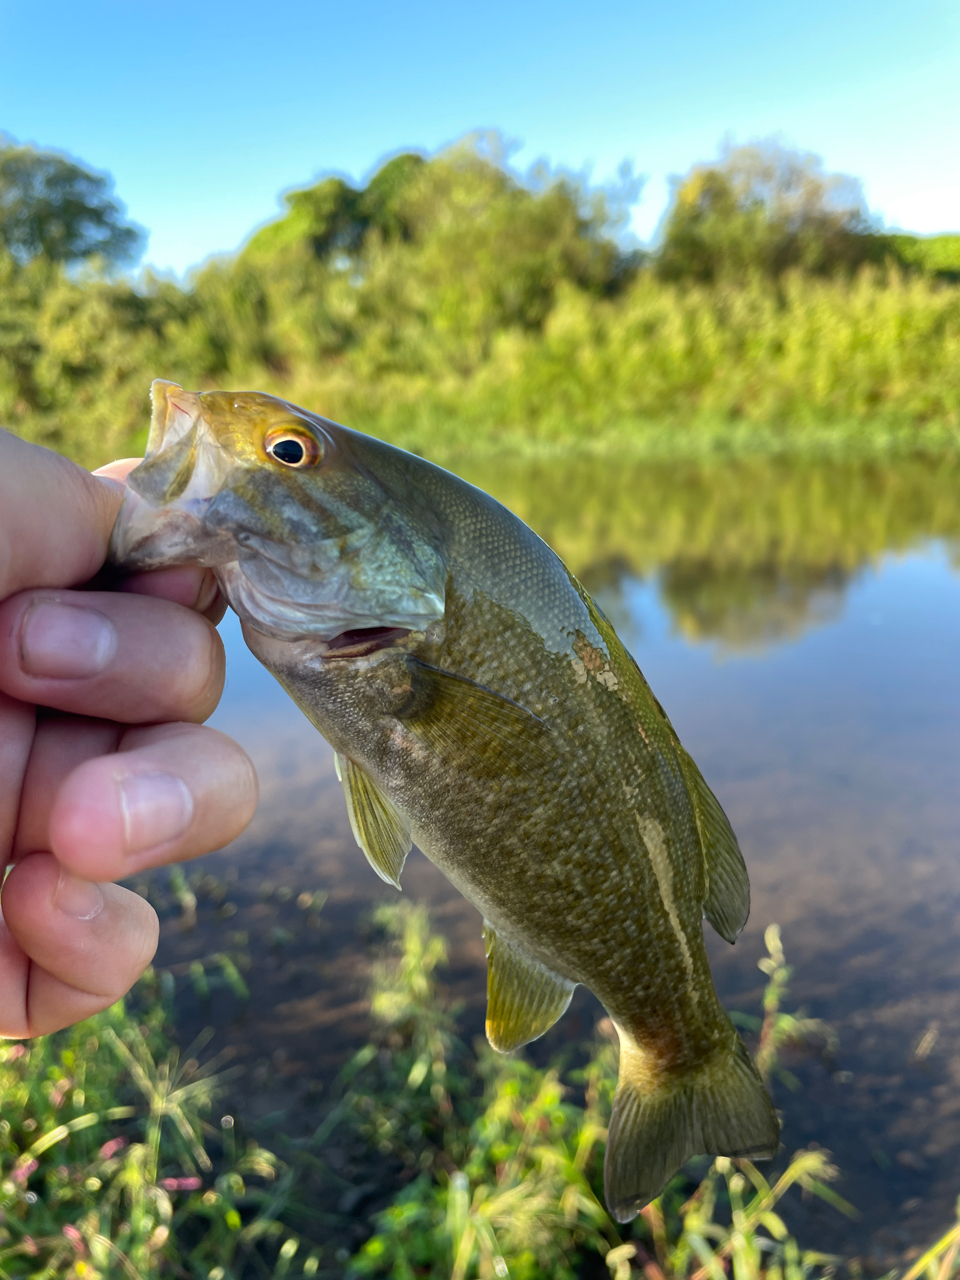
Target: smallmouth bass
[(480, 704)]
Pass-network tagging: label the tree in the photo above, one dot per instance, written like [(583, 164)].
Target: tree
[(334, 217), (50, 206), (766, 208)]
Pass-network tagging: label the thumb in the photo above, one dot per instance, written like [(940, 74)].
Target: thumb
[(55, 518)]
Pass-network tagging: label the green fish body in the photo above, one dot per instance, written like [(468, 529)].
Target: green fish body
[(479, 704)]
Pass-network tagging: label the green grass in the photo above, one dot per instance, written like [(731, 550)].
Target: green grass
[(111, 1166), (114, 1160), (510, 1182)]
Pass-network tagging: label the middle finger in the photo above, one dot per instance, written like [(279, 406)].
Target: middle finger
[(117, 656)]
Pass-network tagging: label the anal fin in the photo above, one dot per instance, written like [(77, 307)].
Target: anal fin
[(524, 997), (378, 826)]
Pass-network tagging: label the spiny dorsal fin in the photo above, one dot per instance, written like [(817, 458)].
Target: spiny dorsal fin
[(379, 828), (727, 901), (524, 997), (467, 723)]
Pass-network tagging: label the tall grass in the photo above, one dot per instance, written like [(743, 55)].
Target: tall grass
[(512, 1185), (113, 1162), (111, 1167)]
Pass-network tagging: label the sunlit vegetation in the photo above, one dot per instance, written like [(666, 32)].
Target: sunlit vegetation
[(939, 255), (109, 1162), (453, 306), (115, 1161), (510, 1182)]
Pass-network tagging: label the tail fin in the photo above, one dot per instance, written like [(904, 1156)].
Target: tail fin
[(719, 1108)]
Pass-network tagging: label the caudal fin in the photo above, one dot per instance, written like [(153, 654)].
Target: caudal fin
[(720, 1108)]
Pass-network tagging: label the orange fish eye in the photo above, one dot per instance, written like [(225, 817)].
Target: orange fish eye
[(296, 449)]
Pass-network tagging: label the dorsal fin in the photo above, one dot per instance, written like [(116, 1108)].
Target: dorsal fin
[(378, 826), (467, 723), (727, 889), (524, 997)]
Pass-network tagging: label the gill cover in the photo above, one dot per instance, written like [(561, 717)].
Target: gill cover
[(300, 551)]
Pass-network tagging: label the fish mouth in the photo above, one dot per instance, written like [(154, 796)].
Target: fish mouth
[(362, 641)]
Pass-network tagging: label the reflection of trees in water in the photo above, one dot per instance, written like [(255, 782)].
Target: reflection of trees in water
[(745, 606), (748, 551)]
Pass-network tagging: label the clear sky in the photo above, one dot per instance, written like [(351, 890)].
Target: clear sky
[(205, 111)]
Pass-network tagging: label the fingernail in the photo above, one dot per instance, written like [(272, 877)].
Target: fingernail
[(157, 807), (65, 642), (209, 590), (78, 898)]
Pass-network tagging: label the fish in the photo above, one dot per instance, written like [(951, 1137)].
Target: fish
[(481, 705)]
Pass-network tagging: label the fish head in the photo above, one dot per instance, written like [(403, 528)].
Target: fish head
[(305, 541)]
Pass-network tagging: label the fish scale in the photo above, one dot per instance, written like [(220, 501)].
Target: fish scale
[(482, 705)]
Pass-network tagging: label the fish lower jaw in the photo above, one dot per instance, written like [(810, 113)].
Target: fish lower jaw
[(361, 641)]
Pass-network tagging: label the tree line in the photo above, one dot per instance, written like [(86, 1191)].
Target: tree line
[(449, 295)]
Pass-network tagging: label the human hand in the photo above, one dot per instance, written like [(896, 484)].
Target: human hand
[(119, 776)]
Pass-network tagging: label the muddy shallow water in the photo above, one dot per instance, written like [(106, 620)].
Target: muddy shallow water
[(801, 626)]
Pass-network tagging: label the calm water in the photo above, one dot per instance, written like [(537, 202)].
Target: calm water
[(801, 626)]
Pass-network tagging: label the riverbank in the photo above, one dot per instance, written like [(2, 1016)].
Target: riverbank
[(862, 367)]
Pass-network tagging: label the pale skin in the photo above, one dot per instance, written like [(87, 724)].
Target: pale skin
[(117, 773)]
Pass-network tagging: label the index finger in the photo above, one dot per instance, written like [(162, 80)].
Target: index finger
[(55, 518), (185, 584)]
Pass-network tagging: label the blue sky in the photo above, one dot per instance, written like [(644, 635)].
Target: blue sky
[(205, 111)]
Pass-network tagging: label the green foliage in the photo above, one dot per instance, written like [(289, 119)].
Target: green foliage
[(731, 1221), (778, 1030), (402, 1086), (108, 1166), (333, 217), (765, 209), (54, 208), (513, 1185), (939, 255), (450, 307), (501, 1180)]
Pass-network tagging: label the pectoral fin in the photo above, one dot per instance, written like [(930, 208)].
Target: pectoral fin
[(467, 723), (379, 828), (524, 997), (727, 901)]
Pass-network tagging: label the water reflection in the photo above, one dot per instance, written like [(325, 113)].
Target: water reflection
[(830, 729), (745, 553)]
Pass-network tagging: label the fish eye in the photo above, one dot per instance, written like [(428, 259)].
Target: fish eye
[(294, 449)]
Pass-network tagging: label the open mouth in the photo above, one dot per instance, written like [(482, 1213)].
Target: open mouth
[(364, 640)]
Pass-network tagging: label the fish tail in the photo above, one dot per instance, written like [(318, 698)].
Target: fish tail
[(659, 1120)]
